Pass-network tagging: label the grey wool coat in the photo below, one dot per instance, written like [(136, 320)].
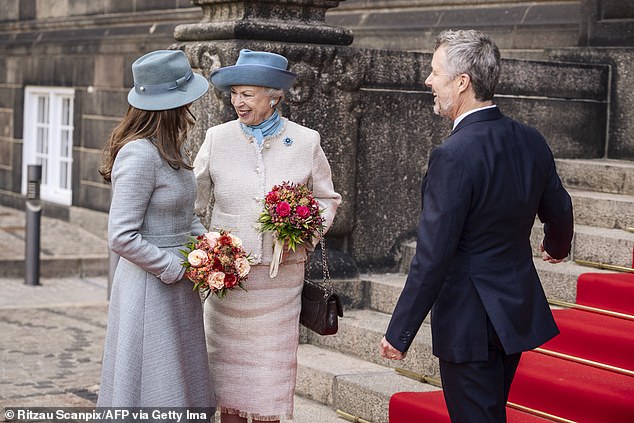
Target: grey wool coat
[(154, 352)]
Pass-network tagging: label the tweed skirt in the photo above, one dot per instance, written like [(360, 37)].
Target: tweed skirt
[(252, 340)]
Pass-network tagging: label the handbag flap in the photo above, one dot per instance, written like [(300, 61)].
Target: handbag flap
[(315, 291)]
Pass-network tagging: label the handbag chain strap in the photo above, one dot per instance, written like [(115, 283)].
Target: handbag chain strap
[(324, 265), (324, 259)]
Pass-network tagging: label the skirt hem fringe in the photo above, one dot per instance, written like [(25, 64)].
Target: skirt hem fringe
[(255, 416)]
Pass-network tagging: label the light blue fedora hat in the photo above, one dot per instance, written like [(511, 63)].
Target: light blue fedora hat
[(260, 68), (163, 80)]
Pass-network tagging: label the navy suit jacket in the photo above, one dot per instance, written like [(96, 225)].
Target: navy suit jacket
[(483, 188)]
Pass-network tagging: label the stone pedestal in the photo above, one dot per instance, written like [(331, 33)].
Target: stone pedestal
[(296, 21)]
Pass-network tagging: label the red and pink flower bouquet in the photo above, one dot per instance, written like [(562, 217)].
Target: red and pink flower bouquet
[(216, 262), (293, 215)]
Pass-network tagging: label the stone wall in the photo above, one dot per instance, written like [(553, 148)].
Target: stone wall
[(40, 10), (413, 24), (88, 46), (607, 23), (377, 125), (620, 129), (370, 105)]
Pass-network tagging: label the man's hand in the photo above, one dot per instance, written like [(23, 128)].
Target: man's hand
[(388, 351), (546, 256)]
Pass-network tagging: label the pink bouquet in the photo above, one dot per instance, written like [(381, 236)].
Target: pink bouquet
[(293, 215), (216, 263)]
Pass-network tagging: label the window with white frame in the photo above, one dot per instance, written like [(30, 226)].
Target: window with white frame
[(48, 140)]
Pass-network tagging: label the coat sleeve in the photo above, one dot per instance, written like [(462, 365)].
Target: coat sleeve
[(323, 188), (204, 183), (133, 182), (197, 227), (555, 211), (447, 191)]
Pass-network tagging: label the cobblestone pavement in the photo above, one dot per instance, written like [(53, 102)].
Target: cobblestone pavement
[(51, 357), (51, 334), (51, 341)]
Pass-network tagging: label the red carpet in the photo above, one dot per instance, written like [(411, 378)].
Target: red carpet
[(560, 387), (612, 339), (609, 291), (573, 391), (429, 407)]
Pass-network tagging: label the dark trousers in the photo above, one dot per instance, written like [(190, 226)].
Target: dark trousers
[(477, 391)]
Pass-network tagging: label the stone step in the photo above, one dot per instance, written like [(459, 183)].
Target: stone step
[(605, 210), (343, 382), (359, 335), (86, 265), (590, 243), (307, 411), (318, 367), (609, 246), (558, 280), (384, 290), (65, 249), (600, 175)]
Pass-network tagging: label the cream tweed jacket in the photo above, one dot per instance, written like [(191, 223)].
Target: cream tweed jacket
[(234, 175)]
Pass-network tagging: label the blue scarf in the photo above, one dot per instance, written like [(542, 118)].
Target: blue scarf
[(269, 127)]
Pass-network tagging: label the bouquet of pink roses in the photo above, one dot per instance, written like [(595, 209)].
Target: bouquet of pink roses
[(293, 215), (216, 263)]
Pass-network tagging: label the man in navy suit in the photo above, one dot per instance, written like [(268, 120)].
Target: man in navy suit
[(473, 266)]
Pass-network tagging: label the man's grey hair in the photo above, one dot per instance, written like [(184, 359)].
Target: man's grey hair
[(475, 54)]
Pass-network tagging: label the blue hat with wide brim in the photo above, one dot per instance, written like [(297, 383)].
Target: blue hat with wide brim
[(259, 68), (163, 80)]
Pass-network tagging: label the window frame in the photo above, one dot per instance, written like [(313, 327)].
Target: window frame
[(54, 187)]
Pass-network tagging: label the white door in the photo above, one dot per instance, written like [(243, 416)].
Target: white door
[(48, 140)]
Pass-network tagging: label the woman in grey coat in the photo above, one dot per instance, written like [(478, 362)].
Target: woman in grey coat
[(154, 353)]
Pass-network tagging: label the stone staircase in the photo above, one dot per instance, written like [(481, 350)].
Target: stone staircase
[(345, 372)]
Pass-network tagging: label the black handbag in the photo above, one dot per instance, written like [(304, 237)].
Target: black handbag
[(321, 306)]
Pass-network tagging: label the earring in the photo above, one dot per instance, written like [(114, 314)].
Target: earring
[(272, 103)]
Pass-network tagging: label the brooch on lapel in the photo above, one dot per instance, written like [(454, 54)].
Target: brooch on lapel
[(288, 142)]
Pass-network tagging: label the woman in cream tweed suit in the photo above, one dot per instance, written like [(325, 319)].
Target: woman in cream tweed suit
[(154, 353), (252, 337)]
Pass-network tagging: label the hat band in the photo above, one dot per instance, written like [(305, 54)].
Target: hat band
[(165, 87)]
